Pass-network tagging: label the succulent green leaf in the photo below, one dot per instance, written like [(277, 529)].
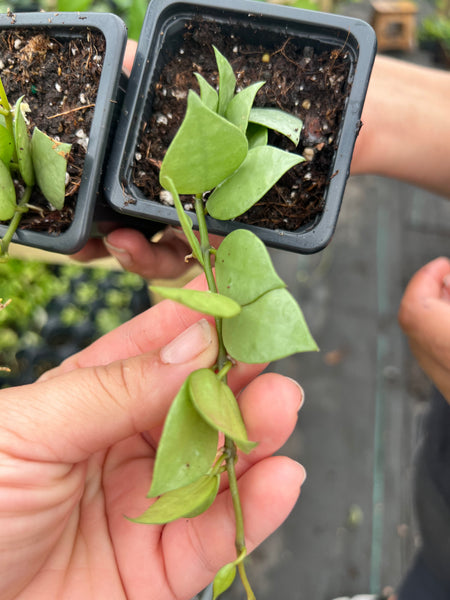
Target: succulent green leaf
[(6, 145), (185, 220), (217, 404), (207, 302), (7, 194), (257, 135), (206, 149), (278, 120), (239, 107), (188, 501), (223, 579), (268, 329), (187, 447), (208, 94), (50, 165), (227, 81), (23, 147), (244, 269), (261, 169)]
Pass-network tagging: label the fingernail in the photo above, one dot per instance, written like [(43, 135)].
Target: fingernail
[(189, 344), (302, 393), (123, 256)]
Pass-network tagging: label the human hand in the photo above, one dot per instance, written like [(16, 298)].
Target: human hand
[(76, 459), (425, 318)]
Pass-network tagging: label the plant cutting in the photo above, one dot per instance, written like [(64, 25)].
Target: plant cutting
[(35, 160), (221, 152)]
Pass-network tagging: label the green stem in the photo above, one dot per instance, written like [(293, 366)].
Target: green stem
[(14, 223), (224, 364)]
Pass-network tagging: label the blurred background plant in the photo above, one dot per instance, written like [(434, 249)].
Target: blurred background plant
[(435, 30)]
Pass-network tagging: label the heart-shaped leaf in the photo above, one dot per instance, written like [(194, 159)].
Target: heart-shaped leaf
[(278, 120), (6, 145), (208, 94), (188, 501), (238, 109), (7, 194), (270, 328), (50, 165), (23, 146), (227, 81), (187, 447), (223, 579), (261, 169), (244, 269), (215, 401), (208, 303), (206, 149)]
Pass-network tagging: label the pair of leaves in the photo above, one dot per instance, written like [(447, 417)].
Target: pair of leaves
[(182, 475), (270, 325), (40, 160), (212, 151)]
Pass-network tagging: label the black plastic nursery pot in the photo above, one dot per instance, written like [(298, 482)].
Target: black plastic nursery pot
[(268, 29), (69, 29)]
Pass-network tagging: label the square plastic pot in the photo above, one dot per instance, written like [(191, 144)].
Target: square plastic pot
[(62, 26), (161, 37)]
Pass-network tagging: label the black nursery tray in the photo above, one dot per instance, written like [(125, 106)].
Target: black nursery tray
[(270, 27)]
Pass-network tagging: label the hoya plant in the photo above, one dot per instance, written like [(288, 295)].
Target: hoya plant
[(26, 161), (221, 156)]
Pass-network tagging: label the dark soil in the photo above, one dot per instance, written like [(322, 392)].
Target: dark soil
[(311, 83), (59, 78)]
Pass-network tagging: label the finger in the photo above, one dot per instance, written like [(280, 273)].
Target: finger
[(162, 259), (195, 549), (69, 417), (429, 282), (93, 249), (130, 53), (436, 369)]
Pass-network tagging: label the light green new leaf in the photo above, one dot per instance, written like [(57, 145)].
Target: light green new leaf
[(238, 109), (207, 302), (50, 165), (188, 501), (7, 194), (257, 135), (23, 146), (268, 329), (215, 401), (261, 169), (208, 94), (278, 120), (187, 447), (185, 220), (244, 269), (227, 81), (223, 579), (6, 145), (206, 149)]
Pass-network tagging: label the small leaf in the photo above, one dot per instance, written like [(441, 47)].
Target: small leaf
[(257, 135), (185, 220), (208, 303), (50, 165), (244, 269), (278, 120), (188, 501), (215, 401), (268, 329), (187, 447), (223, 579), (208, 94), (23, 148), (7, 194), (238, 109), (206, 149), (227, 81), (261, 169), (6, 145)]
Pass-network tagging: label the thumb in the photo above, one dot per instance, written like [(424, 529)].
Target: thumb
[(71, 416)]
